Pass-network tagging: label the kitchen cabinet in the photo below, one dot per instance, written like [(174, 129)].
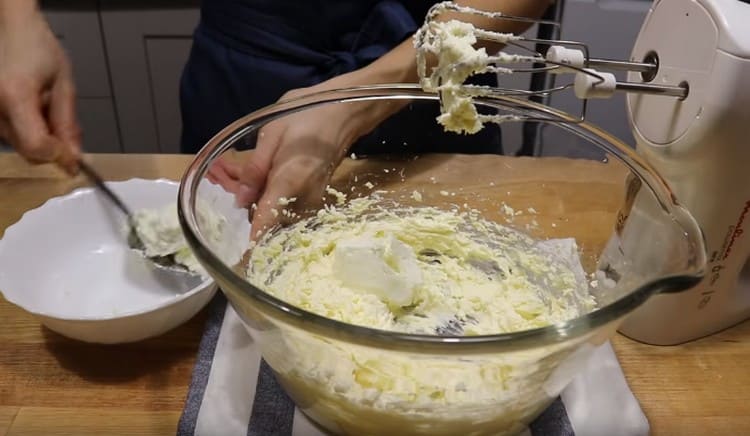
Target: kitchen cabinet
[(147, 46), (76, 24), (127, 57)]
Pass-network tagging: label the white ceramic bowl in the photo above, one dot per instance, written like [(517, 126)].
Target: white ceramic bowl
[(68, 263)]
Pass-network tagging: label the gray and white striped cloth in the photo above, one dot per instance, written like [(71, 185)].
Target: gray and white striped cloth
[(234, 393)]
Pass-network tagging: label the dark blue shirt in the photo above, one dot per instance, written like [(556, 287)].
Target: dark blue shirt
[(247, 53)]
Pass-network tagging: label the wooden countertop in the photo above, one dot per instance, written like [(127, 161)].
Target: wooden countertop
[(50, 385)]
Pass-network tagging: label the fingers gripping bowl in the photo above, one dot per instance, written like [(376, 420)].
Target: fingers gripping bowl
[(359, 376)]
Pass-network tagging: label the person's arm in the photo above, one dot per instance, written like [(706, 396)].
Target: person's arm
[(295, 156), (400, 64), (37, 95)]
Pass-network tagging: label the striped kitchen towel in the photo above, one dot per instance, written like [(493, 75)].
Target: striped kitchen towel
[(234, 393)]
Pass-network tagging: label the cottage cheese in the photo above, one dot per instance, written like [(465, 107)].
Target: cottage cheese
[(159, 230)]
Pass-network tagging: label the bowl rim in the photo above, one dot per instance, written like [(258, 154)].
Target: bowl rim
[(236, 286), (78, 192)]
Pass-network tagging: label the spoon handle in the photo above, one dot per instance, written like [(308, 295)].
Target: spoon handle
[(99, 182)]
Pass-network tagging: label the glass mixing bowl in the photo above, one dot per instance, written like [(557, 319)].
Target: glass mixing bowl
[(633, 239)]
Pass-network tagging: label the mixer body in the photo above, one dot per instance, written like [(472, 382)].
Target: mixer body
[(701, 146)]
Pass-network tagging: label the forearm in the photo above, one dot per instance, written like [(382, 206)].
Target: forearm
[(400, 64), (295, 156)]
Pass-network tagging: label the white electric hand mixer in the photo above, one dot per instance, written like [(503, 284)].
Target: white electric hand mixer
[(689, 108)]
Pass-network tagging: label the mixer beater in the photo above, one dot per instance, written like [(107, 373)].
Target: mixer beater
[(453, 43)]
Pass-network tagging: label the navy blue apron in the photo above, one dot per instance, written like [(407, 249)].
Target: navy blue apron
[(247, 53)]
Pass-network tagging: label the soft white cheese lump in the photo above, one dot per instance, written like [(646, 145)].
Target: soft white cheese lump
[(383, 266), (159, 230)]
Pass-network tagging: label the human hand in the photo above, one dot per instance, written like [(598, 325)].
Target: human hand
[(294, 158), (37, 94)]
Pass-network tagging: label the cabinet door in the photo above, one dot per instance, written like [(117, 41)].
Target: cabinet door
[(76, 24), (147, 46)]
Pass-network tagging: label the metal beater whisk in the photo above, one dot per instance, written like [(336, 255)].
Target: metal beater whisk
[(453, 43)]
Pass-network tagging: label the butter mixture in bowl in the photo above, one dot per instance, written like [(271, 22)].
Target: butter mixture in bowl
[(425, 270), (420, 270)]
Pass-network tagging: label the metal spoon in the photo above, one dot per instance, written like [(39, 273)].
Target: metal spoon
[(134, 241)]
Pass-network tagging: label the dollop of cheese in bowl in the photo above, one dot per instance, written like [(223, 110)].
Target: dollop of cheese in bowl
[(159, 230), (420, 270), (379, 265)]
